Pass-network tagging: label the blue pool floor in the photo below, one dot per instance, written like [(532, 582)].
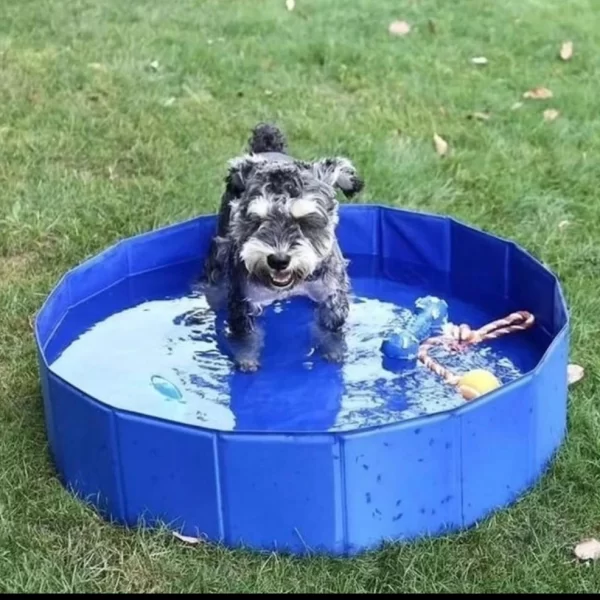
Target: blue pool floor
[(167, 356)]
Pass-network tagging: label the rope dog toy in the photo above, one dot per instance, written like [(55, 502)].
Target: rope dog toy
[(478, 381)]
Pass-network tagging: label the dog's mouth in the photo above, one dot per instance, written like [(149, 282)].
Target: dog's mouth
[(281, 280)]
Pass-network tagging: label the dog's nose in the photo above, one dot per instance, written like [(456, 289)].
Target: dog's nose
[(279, 261)]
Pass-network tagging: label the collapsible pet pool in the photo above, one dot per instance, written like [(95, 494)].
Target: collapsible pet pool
[(148, 420)]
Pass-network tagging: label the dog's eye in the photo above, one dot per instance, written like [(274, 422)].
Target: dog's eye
[(254, 222), (312, 221)]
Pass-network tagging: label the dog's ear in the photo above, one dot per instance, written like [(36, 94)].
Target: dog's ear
[(238, 174), (340, 173)]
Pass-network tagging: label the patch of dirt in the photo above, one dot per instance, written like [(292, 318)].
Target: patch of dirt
[(16, 267)]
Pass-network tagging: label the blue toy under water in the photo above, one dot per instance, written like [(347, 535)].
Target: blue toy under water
[(147, 419), (432, 313)]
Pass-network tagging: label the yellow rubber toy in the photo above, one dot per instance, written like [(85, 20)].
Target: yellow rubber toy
[(477, 382)]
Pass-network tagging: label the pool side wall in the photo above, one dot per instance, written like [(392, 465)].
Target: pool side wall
[(334, 493)]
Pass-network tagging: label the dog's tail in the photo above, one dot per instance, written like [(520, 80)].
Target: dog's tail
[(267, 138)]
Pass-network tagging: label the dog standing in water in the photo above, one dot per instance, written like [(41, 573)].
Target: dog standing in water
[(276, 238)]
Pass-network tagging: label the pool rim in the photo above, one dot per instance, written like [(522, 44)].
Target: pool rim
[(410, 423)]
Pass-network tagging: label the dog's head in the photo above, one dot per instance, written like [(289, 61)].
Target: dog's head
[(284, 214)]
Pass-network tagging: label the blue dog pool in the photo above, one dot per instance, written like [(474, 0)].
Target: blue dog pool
[(148, 419)]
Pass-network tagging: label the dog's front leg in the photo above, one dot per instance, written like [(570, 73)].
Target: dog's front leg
[(333, 311), (244, 334), (331, 318)]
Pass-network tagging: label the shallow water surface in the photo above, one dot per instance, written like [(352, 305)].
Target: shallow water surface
[(154, 358)]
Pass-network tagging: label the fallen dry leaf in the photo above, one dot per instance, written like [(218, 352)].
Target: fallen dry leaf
[(550, 114), (479, 60), (516, 106), (479, 116), (538, 93), (588, 549), (563, 224), (399, 28), (574, 373), (441, 145), (154, 65), (186, 538), (290, 4), (566, 51)]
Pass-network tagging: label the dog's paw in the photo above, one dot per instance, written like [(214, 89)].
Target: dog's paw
[(248, 365)]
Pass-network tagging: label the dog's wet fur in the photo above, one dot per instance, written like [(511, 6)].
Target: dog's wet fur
[(276, 238)]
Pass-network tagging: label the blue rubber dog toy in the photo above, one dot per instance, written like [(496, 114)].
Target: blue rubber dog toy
[(432, 313), (166, 388)]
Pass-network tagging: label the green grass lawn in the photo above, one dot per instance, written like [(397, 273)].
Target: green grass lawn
[(98, 142)]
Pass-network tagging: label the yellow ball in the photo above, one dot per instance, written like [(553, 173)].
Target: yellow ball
[(477, 382)]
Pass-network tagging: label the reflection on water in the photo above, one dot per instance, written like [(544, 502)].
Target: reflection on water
[(169, 359)]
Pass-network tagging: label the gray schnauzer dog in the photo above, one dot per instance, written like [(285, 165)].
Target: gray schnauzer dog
[(276, 239)]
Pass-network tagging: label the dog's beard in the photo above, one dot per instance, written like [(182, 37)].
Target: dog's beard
[(304, 260)]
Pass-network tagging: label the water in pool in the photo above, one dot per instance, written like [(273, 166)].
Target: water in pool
[(167, 357)]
